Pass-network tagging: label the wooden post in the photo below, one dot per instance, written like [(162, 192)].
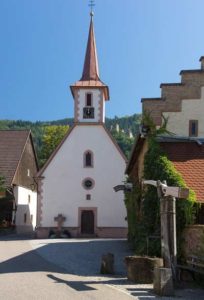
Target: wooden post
[(172, 230), (163, 279), (164, 227), (167, 195)]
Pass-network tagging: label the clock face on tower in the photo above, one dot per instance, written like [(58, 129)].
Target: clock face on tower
[(88, 112)]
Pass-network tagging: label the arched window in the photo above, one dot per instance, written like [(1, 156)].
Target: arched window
[(88, 159)]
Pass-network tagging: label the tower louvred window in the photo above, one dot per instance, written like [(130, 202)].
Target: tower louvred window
[(89, 99)]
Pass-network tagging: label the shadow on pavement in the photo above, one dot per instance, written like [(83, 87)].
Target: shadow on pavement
[(81, 258), (76, 285), (83, 285), (78, 257), (136, 290), (28, 262)]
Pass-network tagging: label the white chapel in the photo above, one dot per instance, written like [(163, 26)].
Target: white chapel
[(76, 184)]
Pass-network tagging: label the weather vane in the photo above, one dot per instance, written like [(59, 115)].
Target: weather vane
[(91, 5)]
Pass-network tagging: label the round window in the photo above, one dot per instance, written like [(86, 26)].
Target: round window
[(88, 183)]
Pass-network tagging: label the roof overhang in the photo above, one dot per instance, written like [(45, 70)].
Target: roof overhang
[(139, 142), (90, 84)]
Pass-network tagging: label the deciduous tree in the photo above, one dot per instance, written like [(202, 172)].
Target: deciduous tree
[(52, 136)]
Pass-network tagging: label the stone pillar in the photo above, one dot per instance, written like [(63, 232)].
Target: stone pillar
[(163, 283), (107, 264)]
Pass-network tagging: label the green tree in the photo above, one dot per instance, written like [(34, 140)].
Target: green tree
[(124, 142), (52, 136), (126, 124), (143, 206)]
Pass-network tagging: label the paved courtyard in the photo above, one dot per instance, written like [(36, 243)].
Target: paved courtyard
[(69, 269)]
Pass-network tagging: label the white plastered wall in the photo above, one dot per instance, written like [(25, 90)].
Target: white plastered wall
[(96, 98), (62, 184), (25, 206), (178, 122)]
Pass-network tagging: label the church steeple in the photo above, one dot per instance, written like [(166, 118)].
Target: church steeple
[(90, 93), (90, 75), (91, 70)]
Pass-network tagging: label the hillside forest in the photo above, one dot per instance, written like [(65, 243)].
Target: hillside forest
[(47, 135)]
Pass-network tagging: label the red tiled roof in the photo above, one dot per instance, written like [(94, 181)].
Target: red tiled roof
[(12, 143), (188, 159), (91, 84)]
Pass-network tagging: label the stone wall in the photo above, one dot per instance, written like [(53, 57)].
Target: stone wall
[(100, 232), (194, 240)]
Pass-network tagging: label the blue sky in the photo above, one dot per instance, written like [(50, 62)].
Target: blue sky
[(141, 43)]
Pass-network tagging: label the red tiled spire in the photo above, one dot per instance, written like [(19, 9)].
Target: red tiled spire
[(90, 76), (91, 71)]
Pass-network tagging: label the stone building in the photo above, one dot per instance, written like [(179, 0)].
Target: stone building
[(182, 103)]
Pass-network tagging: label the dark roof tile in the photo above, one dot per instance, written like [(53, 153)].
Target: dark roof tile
[(12, 143)]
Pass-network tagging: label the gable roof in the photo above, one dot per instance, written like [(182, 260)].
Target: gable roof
[(186, 154), (12, 145), (39, 174), (136, 148), (188, 159)]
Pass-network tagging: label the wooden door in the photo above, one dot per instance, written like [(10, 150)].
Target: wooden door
[(87, 222)]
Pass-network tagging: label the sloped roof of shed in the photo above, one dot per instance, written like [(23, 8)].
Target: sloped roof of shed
[(188, 159), (12, 144)]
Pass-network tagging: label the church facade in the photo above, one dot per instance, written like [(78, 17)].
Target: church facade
[(77, 181)]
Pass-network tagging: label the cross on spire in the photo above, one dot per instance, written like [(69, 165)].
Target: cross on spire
[(90, 75), (91, 5)]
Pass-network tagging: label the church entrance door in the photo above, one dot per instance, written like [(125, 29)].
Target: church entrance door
[(87, 222)]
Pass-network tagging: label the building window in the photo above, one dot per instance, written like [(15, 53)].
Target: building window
[(25, 218), (88, 197), (29, 199), (88, 159), (88, 183), (193, 128), (88, 99), (28, 172)]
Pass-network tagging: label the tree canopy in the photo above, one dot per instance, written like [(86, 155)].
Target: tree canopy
[(123, 130), (52, 136)]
